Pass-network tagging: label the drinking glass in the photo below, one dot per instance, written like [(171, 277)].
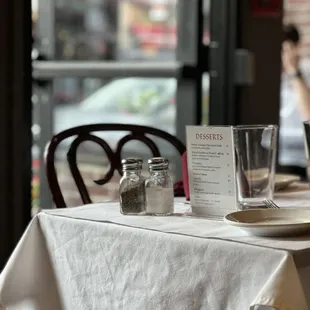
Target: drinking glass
[(255, 155)]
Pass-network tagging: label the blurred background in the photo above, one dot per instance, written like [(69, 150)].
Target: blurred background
[(77, 40), (114, 31), (161, 63)]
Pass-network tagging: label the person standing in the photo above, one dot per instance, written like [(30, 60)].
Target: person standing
[(295, 105)]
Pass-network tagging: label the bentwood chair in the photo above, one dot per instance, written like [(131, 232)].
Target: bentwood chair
[(87, 133)]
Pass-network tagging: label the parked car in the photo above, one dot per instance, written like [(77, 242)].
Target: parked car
[(142, 101), (149, 101)]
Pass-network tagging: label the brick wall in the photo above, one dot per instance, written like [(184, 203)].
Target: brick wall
[(298, 12)]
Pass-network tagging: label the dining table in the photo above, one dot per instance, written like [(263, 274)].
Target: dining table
[(93, 257)]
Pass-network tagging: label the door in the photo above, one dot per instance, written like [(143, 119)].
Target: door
[(126, 61)]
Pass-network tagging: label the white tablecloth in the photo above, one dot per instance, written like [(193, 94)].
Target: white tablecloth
[(92, 257)]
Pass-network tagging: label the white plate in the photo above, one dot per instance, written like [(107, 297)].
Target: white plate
[(284, 180), (259, 177), (271, 222)]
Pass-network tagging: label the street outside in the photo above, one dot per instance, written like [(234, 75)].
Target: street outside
[(117, 30)]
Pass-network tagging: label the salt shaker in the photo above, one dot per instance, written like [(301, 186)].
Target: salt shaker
[(159, 188), (132, 187)]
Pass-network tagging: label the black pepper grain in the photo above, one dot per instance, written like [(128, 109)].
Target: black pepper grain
[(132, 199)]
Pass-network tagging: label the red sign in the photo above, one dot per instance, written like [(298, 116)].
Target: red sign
[(268, 8)]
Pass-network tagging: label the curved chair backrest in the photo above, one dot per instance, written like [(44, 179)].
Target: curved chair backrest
[(85, 133)]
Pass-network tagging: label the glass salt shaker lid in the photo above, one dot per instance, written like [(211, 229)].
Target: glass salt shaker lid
[(158, 163), (132, 163)]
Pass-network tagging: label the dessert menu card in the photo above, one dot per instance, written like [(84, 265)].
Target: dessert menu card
[(211, 170)]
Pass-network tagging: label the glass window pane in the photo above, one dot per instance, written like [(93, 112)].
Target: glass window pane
[(93, 165), (144, 101), (115, 29)]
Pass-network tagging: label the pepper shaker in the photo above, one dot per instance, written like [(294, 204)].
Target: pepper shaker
[(159, 188), (132, 187)]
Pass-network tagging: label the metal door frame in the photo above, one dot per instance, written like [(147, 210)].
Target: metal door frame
[(15, 123), (223, 46)]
